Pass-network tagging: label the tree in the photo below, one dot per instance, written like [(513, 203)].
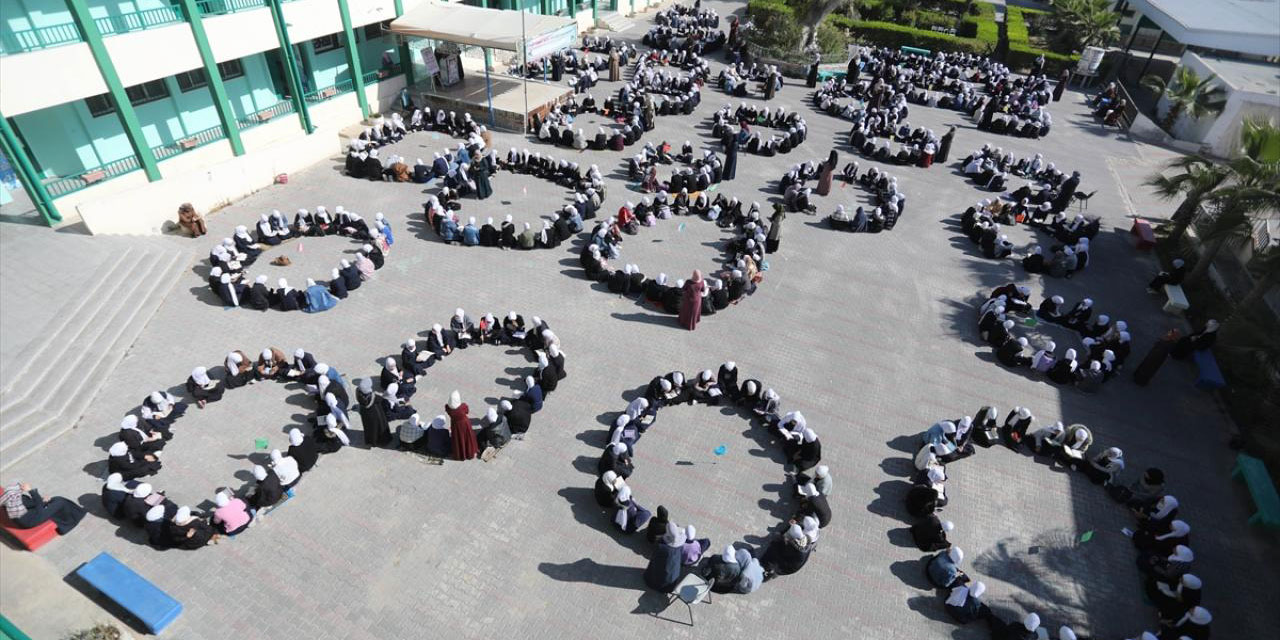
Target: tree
[(1260, 140), (1085, 23), (1188, 92), (811, 13), (1230, 223), (1266, 268), (1195, 179)]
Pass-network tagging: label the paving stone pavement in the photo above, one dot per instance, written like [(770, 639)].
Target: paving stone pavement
[(870, 335)]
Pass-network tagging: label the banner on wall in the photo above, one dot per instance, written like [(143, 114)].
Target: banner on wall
[(429, 59), (548, 43)]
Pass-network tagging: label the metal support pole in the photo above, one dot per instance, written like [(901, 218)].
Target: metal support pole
[(124, 108), (595, 11), (27, 174), (290, 66), (488, 86), (1153, 54), (213, 77), (406, 55), (524, 65), (353, 59)]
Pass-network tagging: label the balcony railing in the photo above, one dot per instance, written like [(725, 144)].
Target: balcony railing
[(263, 116), (327, 93), (220, 7), (68, 33), (62, 186), (139, 20), (193, 141)]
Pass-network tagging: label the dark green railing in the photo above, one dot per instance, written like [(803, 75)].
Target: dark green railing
[(40, 38), (139, 20), (193, 141), (221, 7), (62, 186), (263, 116), (327, 93)]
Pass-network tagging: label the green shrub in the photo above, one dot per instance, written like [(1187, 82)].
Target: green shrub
[(775, 25), (832, 40), (1022, 55), (887, 34)]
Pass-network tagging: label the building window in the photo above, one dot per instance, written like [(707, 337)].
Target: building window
[(100, 105), (377, 30), (326, 43), (230, 69), (147, 92), (190, 80)]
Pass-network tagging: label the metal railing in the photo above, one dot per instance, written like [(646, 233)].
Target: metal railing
[(326, 93), (378, 75), (139, 20), (193, 141), (263, 116), (40, 38), (64, 185), (221, 7)]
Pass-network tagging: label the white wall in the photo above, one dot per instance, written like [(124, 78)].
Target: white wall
[(211, 177), (141, 56), (1220, 135)]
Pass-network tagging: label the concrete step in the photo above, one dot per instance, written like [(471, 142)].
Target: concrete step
[(614, 21), (76, 314), (71, 386)]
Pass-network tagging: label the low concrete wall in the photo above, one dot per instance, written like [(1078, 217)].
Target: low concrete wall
[(212, 177)]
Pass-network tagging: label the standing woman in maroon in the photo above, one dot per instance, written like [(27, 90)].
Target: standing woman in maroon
[(460, 431), (691, 301)]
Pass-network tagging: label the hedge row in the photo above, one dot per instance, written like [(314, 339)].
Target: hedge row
[(887, 34), (1021, 54)]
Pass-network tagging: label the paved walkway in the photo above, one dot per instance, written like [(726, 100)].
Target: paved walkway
[(871, 336)]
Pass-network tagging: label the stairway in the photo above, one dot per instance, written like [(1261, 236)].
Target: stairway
[(613, 21), (51, 381)]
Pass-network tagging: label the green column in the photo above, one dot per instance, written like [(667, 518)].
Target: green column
[(27, 174), (124, 109), (595, 12), (216, 89), (353, 58), (406, 55), (291, 66)]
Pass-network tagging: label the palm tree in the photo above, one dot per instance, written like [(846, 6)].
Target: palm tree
[(1188, 92), (1195, 180), (1260, 140), (1230, 223), (1266, 268), (1083, 23)]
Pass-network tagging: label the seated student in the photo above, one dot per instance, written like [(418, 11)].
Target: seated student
[(1104, 467), (1026, 629), (131, 465), (302, 450), (186, 531), (930, 533), (616, 458), (705, 389), (26, 509), (156, 527), (395, 404), (142, 440), (944, 570), (1173, 276), (1174, 600), (813, 504), (115, 491), (1074, 445), (230, 515), (1161, 540), (631, 517), (608, 484), (964, 604), (1048, 440), (786, 554), (693, 547), (267, 491), (1013, 353), (202, 388), (1167, 567), (724, 569), (1159, 514)]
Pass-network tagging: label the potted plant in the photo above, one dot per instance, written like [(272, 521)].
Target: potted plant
[(376, 120)]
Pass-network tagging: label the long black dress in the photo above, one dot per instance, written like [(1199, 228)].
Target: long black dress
[(306, 454), (480, 173), (377, 433)]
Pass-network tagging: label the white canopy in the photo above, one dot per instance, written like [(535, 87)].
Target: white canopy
[(1244, 26), (493, 28)]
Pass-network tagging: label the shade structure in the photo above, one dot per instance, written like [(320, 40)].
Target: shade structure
[(494, 28), (1243, 26)]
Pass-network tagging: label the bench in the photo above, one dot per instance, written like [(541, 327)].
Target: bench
[(33, 538), (152, 607), (1143, 234), (1210, 376), (1177, 299), (1254, 474)]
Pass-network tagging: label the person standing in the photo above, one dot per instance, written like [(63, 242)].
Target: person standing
[(26, 509), (772, 240), (811, 80), (944, 148), (461, 435), (480, 173), (377, 433), (1063, 80), (615, 72), (691, 301), (825, 172), (730, 169)]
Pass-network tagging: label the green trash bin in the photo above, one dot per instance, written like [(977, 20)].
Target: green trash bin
[(916, 50)]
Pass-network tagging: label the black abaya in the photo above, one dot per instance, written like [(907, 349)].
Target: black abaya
[(377, 433)]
